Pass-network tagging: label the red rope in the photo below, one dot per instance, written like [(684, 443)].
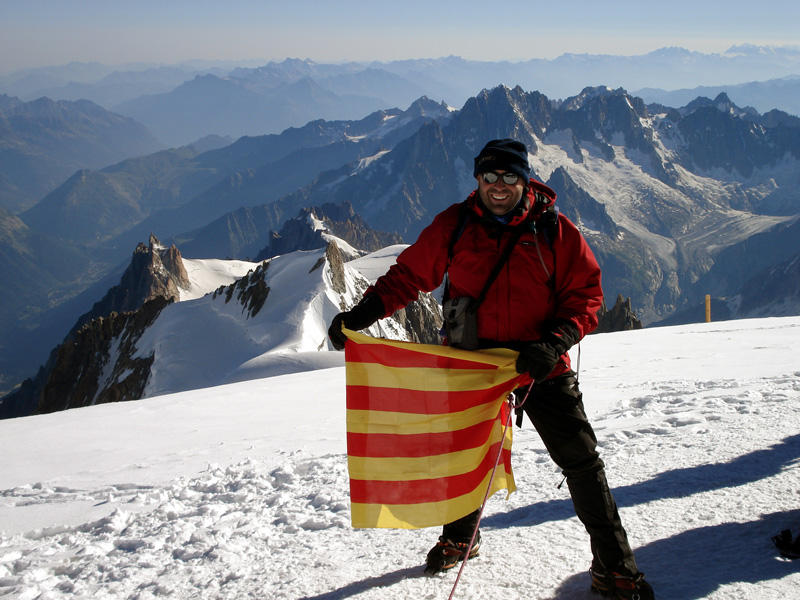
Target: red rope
[(491, 479)]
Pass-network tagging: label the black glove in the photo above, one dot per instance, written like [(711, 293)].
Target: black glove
[(537, 360), (561, 334), (361, 316), (540, 358)]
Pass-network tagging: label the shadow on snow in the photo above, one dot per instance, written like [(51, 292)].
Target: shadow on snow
[(676, 483), (357, 587), (687, 566), (694, 563)]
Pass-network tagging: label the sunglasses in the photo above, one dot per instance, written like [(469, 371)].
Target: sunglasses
[(492, 177)]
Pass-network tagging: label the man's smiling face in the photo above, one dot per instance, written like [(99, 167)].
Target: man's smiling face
[(499, 197)]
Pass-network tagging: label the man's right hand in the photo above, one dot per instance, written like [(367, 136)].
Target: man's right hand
[(335, 332), (361, 316)]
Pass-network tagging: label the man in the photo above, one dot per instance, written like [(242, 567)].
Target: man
[(543, 301)]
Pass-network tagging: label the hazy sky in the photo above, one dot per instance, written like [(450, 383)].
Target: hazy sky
[(54, 32)]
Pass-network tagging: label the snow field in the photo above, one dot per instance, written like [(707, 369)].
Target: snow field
[(699, 427)]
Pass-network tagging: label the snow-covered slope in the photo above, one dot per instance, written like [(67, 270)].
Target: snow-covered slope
[(218, 336), (240, 491), (207, 275)]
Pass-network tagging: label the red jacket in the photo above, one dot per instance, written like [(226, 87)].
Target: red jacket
[(537, 283)]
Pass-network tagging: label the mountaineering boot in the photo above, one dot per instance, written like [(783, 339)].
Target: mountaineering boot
[(620, 586), (446, 554)]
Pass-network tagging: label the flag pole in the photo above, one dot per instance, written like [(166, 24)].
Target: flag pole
[(511, 409)]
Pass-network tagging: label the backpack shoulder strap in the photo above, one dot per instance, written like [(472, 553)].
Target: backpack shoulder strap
[(463, 217), (547, 223), (500, 263)]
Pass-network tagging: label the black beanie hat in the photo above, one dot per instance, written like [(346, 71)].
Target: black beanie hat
[(505, 154)]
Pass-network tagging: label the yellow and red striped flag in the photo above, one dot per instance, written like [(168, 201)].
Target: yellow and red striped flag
[(424, 426)]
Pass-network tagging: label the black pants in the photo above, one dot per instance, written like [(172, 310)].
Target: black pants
[(555, 407)]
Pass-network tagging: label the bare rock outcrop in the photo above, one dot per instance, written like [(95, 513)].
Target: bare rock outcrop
[(619, 318)]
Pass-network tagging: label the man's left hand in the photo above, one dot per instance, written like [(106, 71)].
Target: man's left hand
[(538, 360)]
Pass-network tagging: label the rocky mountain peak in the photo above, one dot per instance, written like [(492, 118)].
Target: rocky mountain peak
[(505, 112), (313, 226), (724, 104), (251, 291), (78, 376), (599, 115), (620, 318), (336, 263), (587, 94), (8, 102), (721, 103), (424, 106), (152, 281), (155, 271)]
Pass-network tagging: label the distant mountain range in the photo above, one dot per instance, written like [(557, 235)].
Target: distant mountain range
[(90, 224), (182, 103), (763, 96), (229, 106), (177, 190), (675, 201), (43, 142), (106, 86), (659, 192)]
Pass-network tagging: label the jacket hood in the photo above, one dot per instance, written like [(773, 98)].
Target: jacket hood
[(537, 198)]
